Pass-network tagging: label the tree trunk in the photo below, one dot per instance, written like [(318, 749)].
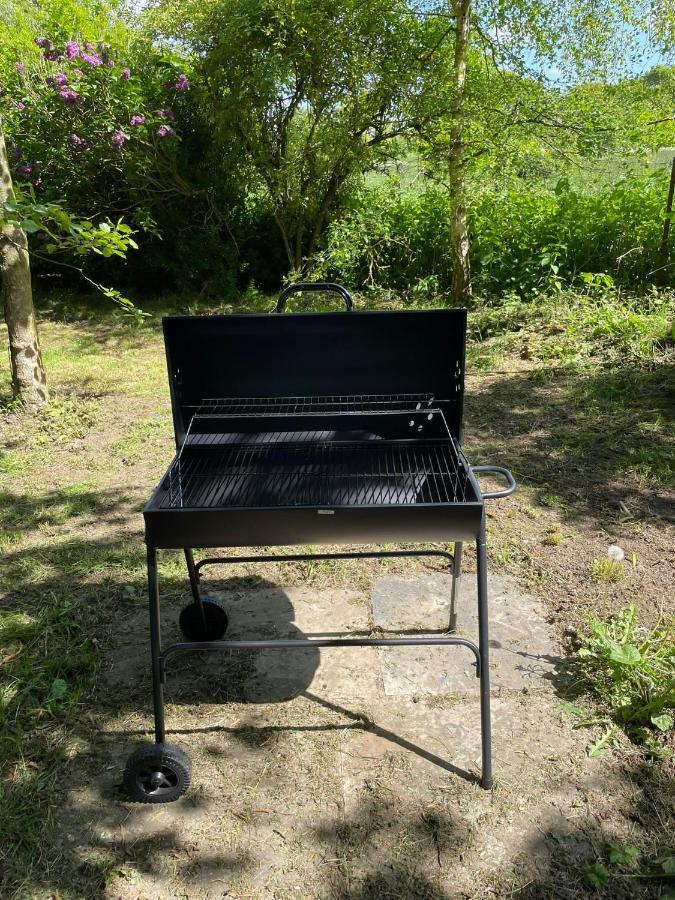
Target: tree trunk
[(290, 244), (29, 382), (459, 232)]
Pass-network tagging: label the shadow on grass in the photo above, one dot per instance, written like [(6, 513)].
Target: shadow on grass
[(595, 446)]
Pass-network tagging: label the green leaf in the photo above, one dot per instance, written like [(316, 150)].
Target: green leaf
[(625, 654), (596, 876), (595, 748), (664, 722), (668, 864), (29, 226), (59, 689), (622, 856)]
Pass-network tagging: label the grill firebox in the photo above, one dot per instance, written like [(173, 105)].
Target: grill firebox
[(310, 429)]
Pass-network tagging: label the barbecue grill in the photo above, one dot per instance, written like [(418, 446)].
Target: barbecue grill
[(311, 428)]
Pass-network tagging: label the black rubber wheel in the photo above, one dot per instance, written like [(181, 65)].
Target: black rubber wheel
[(192, 626), (157, 773)]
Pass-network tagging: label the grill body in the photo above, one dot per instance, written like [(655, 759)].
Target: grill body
[(331, 428), (316, 428)]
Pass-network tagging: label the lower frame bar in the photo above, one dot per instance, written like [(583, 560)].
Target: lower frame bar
[(305, 644), (303, 557)]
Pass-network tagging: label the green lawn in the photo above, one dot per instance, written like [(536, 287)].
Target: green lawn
[(575, 394)]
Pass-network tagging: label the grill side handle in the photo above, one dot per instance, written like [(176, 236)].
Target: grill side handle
[(314, 286), (496, 470)]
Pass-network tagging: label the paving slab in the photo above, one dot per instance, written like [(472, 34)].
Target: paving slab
[(523, 653)]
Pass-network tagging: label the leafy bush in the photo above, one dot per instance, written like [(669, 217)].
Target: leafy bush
[(631, 670), (527, 239)]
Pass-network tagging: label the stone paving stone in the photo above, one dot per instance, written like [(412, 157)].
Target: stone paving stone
[(522, 652)]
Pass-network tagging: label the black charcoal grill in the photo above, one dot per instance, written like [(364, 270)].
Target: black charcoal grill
[(315, 428)]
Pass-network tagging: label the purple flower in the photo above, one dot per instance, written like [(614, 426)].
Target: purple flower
[(52, 55), (49, 81), (180, 85), (68, 96), (61, 79), (20, 67), (15, 152), (118, 139), (72, 49), (42, 42), (25, 170), (164, 131), (77, 142), (20, 106), (88, 46), (91, 59), (126, 73), (137, 120), (166, 114), (110, 63), (78, 72)]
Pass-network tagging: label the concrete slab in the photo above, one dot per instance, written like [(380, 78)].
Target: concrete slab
[(523, 653)]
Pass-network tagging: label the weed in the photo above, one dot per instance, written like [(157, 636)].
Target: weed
[(553, 537), (606, 570), (631, 671), (136, 441), (623, 862), (554, 501), (65, 419), (13, 463)]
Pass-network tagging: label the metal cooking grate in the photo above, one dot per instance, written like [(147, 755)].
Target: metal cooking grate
[(276, 473), (283, 406)]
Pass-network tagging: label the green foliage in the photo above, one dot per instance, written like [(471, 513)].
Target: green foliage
[(526, 240), (596, 876), (306, 92), (621, 862), (605, 570), (631, 670), (95, 120)]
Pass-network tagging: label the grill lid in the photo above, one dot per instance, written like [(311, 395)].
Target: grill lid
[(317, 355)]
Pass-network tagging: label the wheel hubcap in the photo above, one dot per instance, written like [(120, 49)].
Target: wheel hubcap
[(157, 780)]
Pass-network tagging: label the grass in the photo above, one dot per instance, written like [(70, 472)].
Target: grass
[(70, 528), (606, 570)]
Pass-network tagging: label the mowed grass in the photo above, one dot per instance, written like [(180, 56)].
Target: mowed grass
[(73, 479)]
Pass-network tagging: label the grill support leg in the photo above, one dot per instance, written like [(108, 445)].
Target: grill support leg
[(193, 575), (485, 723), (155, 646), (456, 583)]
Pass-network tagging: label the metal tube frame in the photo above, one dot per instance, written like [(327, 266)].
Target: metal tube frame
[(160, 657)]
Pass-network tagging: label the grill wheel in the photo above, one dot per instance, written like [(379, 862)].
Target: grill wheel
[(192, 625), (157, 773)]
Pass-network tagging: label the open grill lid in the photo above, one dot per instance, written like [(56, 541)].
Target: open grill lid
[(316, 355)]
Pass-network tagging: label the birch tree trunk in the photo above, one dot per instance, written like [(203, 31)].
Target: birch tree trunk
[(459, 232), (29, 381)]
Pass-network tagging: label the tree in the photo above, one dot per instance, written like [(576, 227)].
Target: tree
[(533, 38), (29, 381), (309, 90)]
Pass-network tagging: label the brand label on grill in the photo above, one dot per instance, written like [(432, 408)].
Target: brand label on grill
[(326, 512)]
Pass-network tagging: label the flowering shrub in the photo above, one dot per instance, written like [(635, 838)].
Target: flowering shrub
[(82, 122)]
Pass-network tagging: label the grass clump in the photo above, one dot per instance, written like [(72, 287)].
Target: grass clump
[(632, 672), (604, 570)]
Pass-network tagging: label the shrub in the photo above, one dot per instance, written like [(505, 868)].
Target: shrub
[(527, 239)]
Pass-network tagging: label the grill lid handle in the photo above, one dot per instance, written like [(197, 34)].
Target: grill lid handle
[(315, 286), (497, 470)]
